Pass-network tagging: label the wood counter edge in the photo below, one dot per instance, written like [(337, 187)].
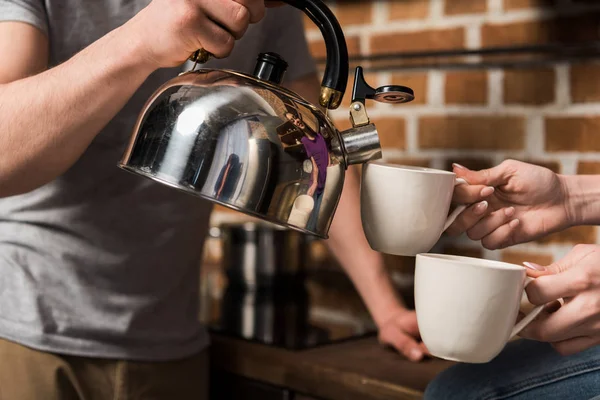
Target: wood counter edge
[(301, 371)]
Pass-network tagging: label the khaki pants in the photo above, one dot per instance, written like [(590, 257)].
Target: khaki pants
[(27, 374)]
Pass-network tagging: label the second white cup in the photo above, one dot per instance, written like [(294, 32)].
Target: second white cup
[(467, 307)]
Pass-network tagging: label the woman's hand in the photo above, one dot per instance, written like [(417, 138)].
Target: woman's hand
[(575, 326), (401, 332), (528, 202)]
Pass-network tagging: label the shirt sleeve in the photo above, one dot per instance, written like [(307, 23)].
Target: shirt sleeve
[(285, 36), (32, 12)]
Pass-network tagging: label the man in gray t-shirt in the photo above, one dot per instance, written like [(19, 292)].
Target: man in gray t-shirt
[(98, 263)]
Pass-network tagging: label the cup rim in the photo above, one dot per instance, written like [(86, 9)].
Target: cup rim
[(410, 168), (473, 261)]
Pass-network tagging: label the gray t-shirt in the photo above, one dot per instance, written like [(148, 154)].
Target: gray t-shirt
[(100, 262)]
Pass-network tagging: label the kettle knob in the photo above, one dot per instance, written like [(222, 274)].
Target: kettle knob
[(270, 67)]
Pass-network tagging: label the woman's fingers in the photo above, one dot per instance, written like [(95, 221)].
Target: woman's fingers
[(490, 223), (501, 237), (469, 217)]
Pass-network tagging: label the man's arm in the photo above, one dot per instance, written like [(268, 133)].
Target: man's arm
[(48, 119), (363, 265)]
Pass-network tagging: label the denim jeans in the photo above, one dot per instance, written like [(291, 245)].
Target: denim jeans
[(312, 222), (525, 370)]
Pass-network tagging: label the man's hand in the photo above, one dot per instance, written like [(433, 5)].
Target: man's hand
[(173, 30), (528, 202), (576, 280), (401, 332)]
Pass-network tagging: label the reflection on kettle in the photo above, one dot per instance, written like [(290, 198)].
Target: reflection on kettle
[(228, 178), (318, 153)]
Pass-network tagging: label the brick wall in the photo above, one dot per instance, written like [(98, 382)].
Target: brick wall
[(547, 114)]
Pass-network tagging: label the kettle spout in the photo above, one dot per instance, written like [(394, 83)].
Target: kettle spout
[(361, 144)]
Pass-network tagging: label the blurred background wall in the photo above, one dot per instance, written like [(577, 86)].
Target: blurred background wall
[(493, 79)]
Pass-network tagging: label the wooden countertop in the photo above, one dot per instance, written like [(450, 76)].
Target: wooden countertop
[(353, 370)]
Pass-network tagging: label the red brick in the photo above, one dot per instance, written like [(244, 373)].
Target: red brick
[(585, 83), (439, 39), (319, 50), (354, 13), (573, 134), (342, 123), (409, 9), (308, 24), (417, 81), (554, 166), (474, 164), (519, 257), (412, 161), (466, 87), (575, 235), (520, 4), (453, 7), (529, 86), (480, 132), (564, 30), (392, 132), (588, 168)]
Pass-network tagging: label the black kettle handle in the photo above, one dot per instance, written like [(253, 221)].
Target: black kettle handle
[(335, 78)]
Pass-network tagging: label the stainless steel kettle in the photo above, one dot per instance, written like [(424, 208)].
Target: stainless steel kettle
[(245, 142)]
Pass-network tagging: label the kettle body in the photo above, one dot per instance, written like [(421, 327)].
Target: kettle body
[(243, 143)]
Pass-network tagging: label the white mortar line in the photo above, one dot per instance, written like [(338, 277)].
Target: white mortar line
[(412, 133), (569, 166), (435, 88), (534, 139), (473, 41), (494, 8), (436, 11), (563, 86), (495, 89), (381, 11)]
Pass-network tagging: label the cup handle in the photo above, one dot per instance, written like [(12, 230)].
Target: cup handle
[(529, 317), (459, 209)]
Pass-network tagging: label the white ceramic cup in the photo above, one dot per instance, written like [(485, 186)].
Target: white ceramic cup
[(404, 210), (467, 307)]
